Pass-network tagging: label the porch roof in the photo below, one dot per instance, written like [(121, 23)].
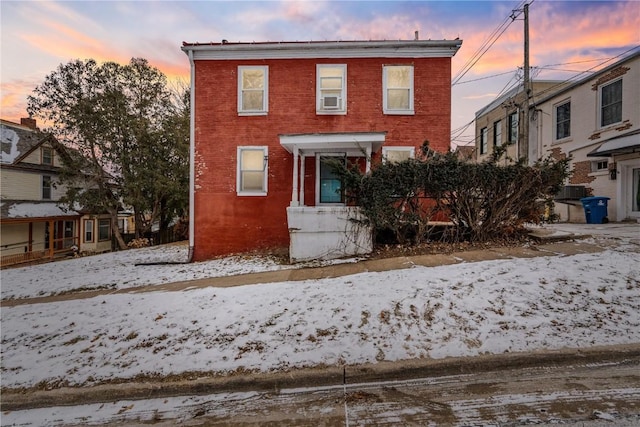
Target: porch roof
[(626, 144), (21, 211), (352, 143)]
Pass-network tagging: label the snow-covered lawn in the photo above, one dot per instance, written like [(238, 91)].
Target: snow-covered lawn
[(127, 269), (457, 310)]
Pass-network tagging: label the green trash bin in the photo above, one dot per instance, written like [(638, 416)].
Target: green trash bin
[(595, 209)]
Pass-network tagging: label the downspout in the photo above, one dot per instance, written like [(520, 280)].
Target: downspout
[(192, 156)]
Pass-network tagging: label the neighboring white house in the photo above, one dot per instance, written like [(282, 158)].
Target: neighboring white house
[(594, 122), (32, 224), (499, 122)]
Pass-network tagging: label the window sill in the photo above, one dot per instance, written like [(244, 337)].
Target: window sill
[(603, 172), (331, 113), (399, 112), (252, 194), (257, 113)]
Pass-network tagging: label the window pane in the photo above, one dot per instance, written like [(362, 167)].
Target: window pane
[(47, 156), (46, 187), (611, 103), (563, 121), (252, 160), (636, 190), (252, 181), (331, 83), (88, 230), (104, 227), (398, 77), (497, 133), (513, 127), (398, 99), (330, 184), (253, 79), (252, 100), (330, 191), (395, 156)]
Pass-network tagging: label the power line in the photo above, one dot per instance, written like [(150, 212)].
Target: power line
[(486, 45), (482, 78)]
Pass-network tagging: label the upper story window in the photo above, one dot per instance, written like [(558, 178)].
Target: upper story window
[(497, 133), (253, 90), (513, 127), (47, 156), (611, 103), (562, 114), (46, 187), (252, 171), (397, 89), (331, 91), (397, 154), (484, 140)]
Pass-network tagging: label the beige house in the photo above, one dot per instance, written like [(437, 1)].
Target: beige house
[(32, 224), (499, 122), (594, 122)]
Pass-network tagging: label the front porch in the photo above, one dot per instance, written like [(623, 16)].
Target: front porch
[(325, 228)]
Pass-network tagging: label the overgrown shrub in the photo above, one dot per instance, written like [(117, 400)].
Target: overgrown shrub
[(483, 201)]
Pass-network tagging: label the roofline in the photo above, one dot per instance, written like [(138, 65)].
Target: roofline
[(326, 49), (589, 78)]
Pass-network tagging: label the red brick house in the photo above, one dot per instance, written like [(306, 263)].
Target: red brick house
[(266, 116)]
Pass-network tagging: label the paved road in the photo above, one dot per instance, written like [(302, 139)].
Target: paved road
[(584, 394)]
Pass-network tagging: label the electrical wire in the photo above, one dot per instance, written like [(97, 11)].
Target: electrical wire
[(488, 43)]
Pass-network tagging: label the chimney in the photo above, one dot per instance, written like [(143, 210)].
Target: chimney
[(29, 122), (417, 35)]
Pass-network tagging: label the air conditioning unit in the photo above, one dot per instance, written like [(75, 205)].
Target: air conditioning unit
[(330, 102), (571, 192)]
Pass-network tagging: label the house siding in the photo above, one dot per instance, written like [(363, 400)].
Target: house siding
[(586, 135), (226, 223)]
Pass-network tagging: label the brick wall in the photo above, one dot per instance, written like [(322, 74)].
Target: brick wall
[(226, 223), (580, 173)]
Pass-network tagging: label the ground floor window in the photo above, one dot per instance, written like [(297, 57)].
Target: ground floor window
[(252, 171), (636, 190), (397, 154), (88, 230), (104, 229), (330, 184)]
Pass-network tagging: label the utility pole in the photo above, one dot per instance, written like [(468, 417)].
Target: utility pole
[(523, 149)]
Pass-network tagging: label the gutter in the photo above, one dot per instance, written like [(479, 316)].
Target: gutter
[(192, 156)]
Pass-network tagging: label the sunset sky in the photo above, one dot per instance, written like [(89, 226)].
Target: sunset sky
[(567, 37)]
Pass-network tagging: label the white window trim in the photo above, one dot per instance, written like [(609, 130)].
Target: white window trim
[(265, 151), (555, 120), (600, 126), (318, 155), (386, 110), (343, 90), (265, 98), (411, 150)]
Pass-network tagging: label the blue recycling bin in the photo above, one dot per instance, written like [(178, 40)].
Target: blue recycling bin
[(595, 209)]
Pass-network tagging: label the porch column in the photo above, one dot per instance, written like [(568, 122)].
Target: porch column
[(294, 191), (52, 232), (368, 151), (302, 161)]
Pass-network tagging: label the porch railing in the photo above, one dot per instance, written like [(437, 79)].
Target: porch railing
[(65, 244)]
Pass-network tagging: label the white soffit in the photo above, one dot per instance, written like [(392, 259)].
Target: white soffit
[(353, 142), (622, 145), (313, 50)]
